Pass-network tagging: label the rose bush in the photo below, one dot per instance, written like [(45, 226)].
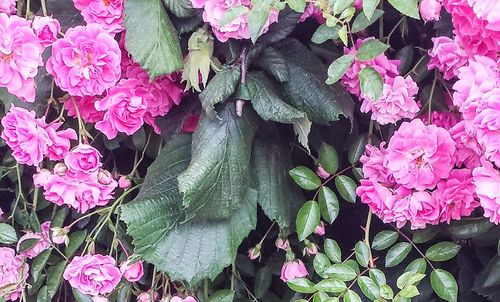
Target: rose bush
[(216, 150)]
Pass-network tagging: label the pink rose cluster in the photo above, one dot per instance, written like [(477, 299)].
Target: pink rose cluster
[(42, 238), (398, 97), (8, 7), (32, 139), (108, 14), (214, 11), (14, 272)]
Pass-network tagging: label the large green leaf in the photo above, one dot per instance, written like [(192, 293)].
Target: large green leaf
[(7, 234), (308, 219), (279, 196), (221, 87), (406, 7), (187, 250), (151, 37), (445, 285), (271, 61), (180, 8), (442, 251), (218, 176), (306, 89)]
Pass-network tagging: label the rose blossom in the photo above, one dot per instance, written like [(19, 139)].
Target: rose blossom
[(42, 243), (441, 119), (487, 183), (214, 10), (320, 229), (430, 10), (487, 10), (86, 61), (488, 125), (447, 56), (8, 7), (124, 182), (108, 13), (61, 140), (423, 209), (13, 273), (99, 299), (293, 269), (419, 156), (20, 56), (314, 12), (133, 272), (468, 149), (375, 195), (86, 108), (93, 274), (83, 159), (46, 29), (282, 243), (397, 101), (179, 299), (373, 164)]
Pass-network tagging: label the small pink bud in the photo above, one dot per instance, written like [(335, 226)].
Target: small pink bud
[(124, 182), (60, 235), (430, 10), (322, 172), (320, 229), (60, 169), (146, 296), (132, 271), (254, 252), (311, 248), (293, 269), (282, 243), (104, 177)]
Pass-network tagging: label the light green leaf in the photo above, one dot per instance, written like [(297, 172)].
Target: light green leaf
[(328, 204), (424, 235), (320, 263), (409, 292), (409, 278), (378, 276), (220, 88), (305, 178), (325, 33), (297, 5), (7, 234), (343, 35), (273, 62), (397, 253), (257, 19), (371, 83), (42, 296), (346, 187), (341, 271), (340, 5), (442, 251), (54, 278), (332, 250), (361, 22), (418, 266), (362, 252), (301, 285), (232, 13), (386, 292), (328, 158), (338, 68), (444, 285), (331, 286), (369, 7), (368, 287), (302, 128), (308, 219), (371, 49), (351, 296), (151, 37), (224, 295), (406, 7), (263, 279), (180, 8), (384, 240)]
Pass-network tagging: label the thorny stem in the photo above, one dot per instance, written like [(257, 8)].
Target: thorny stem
[(19, 193), (332, 177)]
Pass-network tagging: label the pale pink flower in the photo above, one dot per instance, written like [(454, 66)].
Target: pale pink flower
[(99, 299), (179, 299), (42, 243), (83, 159), (488, 125), (8, 7), (124, 182), (488, 10), (311, 249), (423, 209), (443, 119), (321, 172), (132, 271), (282, 243), (20, 56), (125, 106), (46, 29), (419, 156), (430, 10), (60, 235), (214, 10), (86, 61), (86, 108), (293, 269), (148, 296), (447, 56), (106, 13), (397, 101), (14, 272), (373, 165), (468, 149), (358, 4), (487, 183), (320, 229), (314, 12), (93, 274)]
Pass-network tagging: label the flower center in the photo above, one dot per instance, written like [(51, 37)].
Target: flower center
[(106, 2), (6, 58)]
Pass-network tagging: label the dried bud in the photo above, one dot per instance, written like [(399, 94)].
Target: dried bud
[(104, 177)]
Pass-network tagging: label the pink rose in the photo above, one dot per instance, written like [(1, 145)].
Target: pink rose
[(8, 7), (93, 274), (487, 10), (447, 56), (191, 123), (419, 156), (423, 210), (84, 159), (430, 10), (42, 243), (487, 182), (124, 182), (125, 106), (468, 149), (441, 119), (320, 229), (86, 61), (375, 195), (46, 29), (86, 108), (14, 273), (373, 164), (293, 269), (397, 101), (358, 4), (488, 125), (179, 299), (61, 141), (312, 11), (106, 13), (133, 272), (20, 56)]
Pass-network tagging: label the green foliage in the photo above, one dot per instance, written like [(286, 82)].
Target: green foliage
[(384, 240), (346, 187), (371, 83), (406, 7), (442, 251), (444, 285), (328, 204), (308, 219), (7, 234), (371, 49), (305, 178), (338, 68), (221, 87)]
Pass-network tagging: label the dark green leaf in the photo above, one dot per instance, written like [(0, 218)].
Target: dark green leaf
[(442, 251), (406, 7), (7, 234), (180, 8), (397, 253), (332, 250), (139, 139), (325, 33), (39, 264), (369, 7), (444, 285), (81, 297), (469, 228), (328, 158), (263, 280), (346, 187), (338, 68), (405, 57), (301, 285), (362, 253), (371, 49), (288, 20), (341, 271), (369, 288), (54, 278), (272, 62), (151, 37), (331, 286), (308, 219), (27, 244), (371, 83), (418, 266), (328, 204), (257, 19), (75, 241), (361, 22), (42, 295), (384, 240), (224, 295), (351, 296), (356, 149), (220, 88), (305, 178), (424, 235)]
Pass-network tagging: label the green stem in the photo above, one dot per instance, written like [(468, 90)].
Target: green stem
[(205, 290), (381, 22), (44, 7), (429, 103), (367, 235)]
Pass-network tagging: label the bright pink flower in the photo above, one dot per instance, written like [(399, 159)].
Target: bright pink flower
[(447, 56), (99, 299), (423, 209), (487, 183), (468, 149), (397, 101), (20, 56), (312, 11), (106, 13), (46, 29), (373, 165), (133, 272), (488, 10), (179, 299), (86, 108), (42, 243), (385, 67), (419, 156), (321, 172), (8, 7), (293, 269), (430, 10), (13, 272), (148, 296), (441, 119), (124, 182), (488, 125), (86, 61), (320, 229), (125, 106), (61, 141), (282, 243), (214, 10), (93, 274), (358, 4), (83, 159), (377, 196)]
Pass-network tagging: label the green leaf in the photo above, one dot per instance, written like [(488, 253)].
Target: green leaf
[(469, 228), (297, 5), (220, 88), (320, 297), (369, 288), (369, 7), (418, 266), (338, 68), (42, 295), (151, 37), (332, 250), (409, 292), (180, 8), (218, 176), (232, 13), (386, 292), (331, 286), (406, 7), (346, 187), (409, 278), (371, 49), (81, 297), (444, 285), (27, 244), (305, 178), (75, 241), (7, 234), (39, 264), (343, 34), (278, 195), (351, 296), (340, 5), (378, 276), (302, 128), (320, 263), (328, 204), (424, 235), (263, 279), (397, 253), (257, 19), (280, 30), (266, 101), (272, 62), (224, 295), (371, 83), (384, 240), (442, 251), (356, 149), (301, 285), (54, 278), (361, 22), (341, 271), (362, 253), (328, 158), (325, 33), (308, 219)]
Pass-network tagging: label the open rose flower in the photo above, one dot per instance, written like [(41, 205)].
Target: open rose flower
[(487, 182), (42, 241), (14, 271), (84, 159), (293, 269), (8, 7), (93, 274), (447, 56), (423, 209), (469, 152), (488, 125), (86, 108), (46, 29), (106, 13)]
